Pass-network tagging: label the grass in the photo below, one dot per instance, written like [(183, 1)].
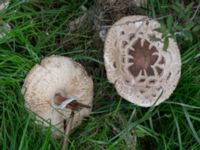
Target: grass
[(40, 28)]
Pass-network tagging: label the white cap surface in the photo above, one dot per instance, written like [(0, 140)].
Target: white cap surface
[(141, 70)]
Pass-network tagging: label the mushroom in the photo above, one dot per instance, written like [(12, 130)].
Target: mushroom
[(4, 4), (4, 27), (139, 3), (57, 88), (141, 70)]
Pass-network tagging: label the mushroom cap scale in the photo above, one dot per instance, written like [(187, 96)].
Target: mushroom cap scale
[(57, 75), (142, 72)]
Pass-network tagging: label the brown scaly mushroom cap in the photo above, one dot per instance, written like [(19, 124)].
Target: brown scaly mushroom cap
[(142, 72), (51, 88)]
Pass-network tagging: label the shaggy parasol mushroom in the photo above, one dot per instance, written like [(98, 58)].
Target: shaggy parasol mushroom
[(139, 67), (56, 88)]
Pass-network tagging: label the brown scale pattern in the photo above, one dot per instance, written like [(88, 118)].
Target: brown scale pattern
[(142, 58)]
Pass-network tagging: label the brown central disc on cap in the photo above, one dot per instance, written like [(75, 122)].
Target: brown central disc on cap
[(143, 58)]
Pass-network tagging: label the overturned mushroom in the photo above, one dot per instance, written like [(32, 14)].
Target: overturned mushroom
[(57, 88), (142, 72)]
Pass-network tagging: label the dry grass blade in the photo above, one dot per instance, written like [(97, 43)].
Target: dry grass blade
[(67, 131)]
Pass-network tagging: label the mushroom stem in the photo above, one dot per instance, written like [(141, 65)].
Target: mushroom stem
[(61, 102), (74, 105), (67, 131)]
